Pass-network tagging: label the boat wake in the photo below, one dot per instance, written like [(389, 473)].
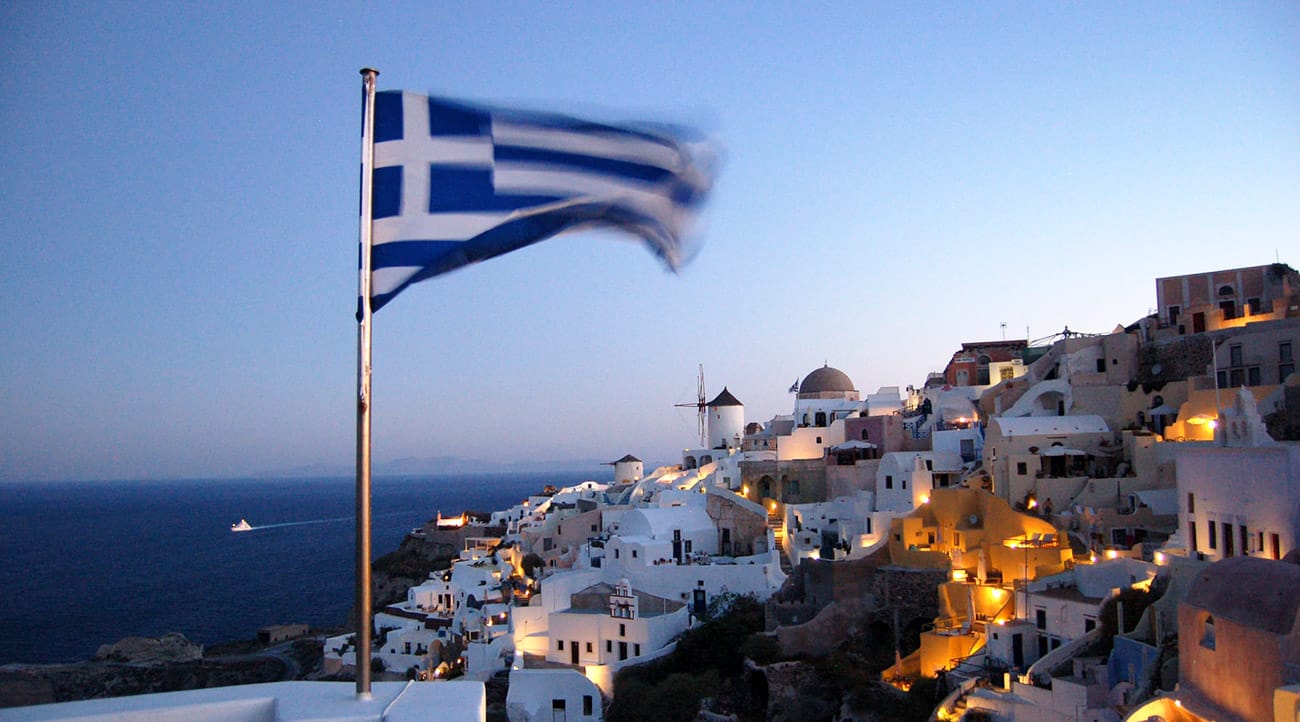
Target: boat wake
[(243, 524)]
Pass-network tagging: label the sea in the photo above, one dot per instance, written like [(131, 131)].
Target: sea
[(88, 563)]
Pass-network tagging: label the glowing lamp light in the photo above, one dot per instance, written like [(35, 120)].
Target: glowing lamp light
[(1161, 558), (1213, 424), (925, 498), (1112, 554), (959, 575)]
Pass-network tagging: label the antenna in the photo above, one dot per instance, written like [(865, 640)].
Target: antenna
[(701, 405)]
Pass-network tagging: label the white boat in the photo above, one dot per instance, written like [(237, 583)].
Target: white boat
[(243, 525)]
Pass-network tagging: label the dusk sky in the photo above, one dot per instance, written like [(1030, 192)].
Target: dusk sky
[(180, 213)]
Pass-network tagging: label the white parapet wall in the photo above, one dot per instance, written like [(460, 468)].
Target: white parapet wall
[(277, 702)]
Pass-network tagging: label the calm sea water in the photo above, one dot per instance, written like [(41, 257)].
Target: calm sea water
[(87, 563)]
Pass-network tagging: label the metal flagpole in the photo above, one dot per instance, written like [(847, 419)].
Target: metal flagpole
[(363, 392)]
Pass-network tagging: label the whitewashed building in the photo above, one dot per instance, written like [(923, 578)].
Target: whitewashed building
[(1240, 495), (552, 695)]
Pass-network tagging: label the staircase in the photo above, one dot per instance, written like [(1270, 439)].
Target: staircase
[(774, 522)]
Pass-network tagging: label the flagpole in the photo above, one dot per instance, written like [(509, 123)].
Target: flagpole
[(363, 392)]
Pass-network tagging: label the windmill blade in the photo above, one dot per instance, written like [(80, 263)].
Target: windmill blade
[(701, 407)]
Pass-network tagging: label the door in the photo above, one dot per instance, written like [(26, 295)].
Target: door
[(1018, 650), (573, 652), (622, 650), (1198, 322)]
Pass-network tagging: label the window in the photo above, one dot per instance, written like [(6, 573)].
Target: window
[(622, 630), (634, 554), (865, 435), (1089, 624), (1214, 536), (1101, 365), (1040, 618), (1207, 632), (1245, 540), (1173, 315), (889, 482), (1285, 361), (1252, 376), (636, 650), (1022, 468), (1191, 503), (559, 644), (588, 647), (1191, 535), (1234, 355), (819, 439), (1253, 306), (1277, 545), (609, 645), (586, 705), (904, 482), (1227, 540)]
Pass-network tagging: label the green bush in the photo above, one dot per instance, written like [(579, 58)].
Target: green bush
[(761, 648)]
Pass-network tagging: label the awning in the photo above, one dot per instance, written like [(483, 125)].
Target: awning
[(1061, 451), (853, 444)]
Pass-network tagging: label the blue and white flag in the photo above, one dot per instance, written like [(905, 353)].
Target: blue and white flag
[(456, 184)]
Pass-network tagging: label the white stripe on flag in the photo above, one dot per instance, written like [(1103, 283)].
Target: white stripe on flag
[(520, 179), (603, 145), (387, 280)]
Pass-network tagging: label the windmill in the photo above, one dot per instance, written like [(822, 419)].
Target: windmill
[(702, 406)]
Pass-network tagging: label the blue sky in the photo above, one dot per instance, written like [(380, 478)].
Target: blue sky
[(179, 213)]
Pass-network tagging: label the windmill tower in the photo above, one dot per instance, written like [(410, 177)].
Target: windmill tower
[(701, 407)]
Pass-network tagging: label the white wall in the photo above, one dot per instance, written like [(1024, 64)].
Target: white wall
[(1258, 487)]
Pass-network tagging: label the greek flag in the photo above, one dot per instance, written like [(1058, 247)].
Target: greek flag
[(456, 184)]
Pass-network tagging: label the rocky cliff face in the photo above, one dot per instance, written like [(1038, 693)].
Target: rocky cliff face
[(135, 665), (150, 651)]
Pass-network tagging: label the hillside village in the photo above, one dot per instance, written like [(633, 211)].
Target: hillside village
[(1096, 528)]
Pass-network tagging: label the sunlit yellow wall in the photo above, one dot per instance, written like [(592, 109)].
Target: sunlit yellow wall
[(948, 518)]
